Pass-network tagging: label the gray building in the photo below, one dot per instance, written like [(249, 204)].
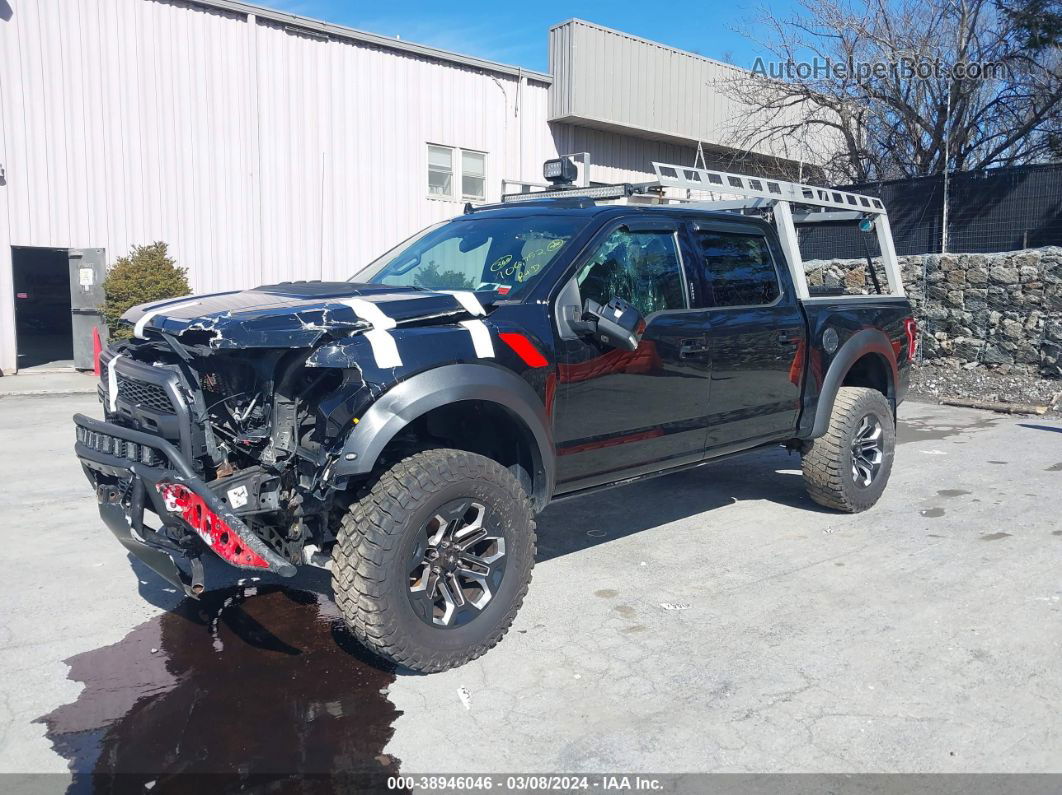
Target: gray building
[(263, 146)]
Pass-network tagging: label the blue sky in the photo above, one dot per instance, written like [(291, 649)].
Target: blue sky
[(517, 32)]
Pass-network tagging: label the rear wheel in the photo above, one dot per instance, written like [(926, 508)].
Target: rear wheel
[(431, 566), (848, 467)]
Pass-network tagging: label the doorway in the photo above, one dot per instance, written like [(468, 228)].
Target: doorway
[(43, 322), (58, 301)]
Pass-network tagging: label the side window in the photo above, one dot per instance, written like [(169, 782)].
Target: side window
[(738, 269), (641, 267)]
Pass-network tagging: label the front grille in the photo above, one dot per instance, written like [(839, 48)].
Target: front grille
[(150, 396), (120, 448)]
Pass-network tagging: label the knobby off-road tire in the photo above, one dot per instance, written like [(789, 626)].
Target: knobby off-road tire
[(847, 468), (376, 577)]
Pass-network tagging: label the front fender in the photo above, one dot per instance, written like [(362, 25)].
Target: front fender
[(442, 386)]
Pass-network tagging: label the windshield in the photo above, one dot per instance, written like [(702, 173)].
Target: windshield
[(501, 254)]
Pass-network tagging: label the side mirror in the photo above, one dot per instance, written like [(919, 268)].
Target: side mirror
[(617, 324)]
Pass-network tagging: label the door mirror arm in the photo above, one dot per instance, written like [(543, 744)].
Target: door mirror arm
[(579, 321)]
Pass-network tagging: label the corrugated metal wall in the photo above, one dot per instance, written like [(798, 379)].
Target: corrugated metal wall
[(257, 152), (620, 158), (608, 79)]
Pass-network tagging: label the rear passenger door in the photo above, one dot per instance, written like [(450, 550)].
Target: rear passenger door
[(756, 335)]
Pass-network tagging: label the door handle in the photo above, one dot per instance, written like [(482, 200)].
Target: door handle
[(692, 346), (791, 337)]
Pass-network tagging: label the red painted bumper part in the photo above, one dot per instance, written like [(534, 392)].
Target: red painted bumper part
[(184, 502)]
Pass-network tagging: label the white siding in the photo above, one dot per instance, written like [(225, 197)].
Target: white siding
[(262, 147), (257, 152)]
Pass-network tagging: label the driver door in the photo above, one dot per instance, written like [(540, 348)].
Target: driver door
[(621, 413)]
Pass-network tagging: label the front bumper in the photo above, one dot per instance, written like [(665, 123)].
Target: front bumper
[(131, 472)]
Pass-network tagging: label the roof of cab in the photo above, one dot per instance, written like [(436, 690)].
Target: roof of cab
[(567, 208)]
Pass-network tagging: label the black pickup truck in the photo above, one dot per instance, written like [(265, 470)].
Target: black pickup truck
[(403, 428)]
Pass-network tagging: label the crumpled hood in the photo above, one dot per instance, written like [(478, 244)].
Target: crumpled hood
[(299, 314)]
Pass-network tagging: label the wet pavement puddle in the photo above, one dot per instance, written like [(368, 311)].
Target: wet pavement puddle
[(267, 687), (924, 429)]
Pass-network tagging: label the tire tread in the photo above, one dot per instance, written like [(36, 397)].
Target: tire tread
[(822, 461), (372, 529)]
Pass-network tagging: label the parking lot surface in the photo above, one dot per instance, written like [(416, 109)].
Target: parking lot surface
[(711, 620)]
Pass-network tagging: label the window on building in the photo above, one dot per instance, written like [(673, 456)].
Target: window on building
[(473, 173), (738, 269), (640, 267), (440, 171)]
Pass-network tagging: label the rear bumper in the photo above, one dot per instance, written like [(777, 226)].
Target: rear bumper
[(133, 472)]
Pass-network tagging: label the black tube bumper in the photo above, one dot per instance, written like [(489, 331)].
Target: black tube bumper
[(131, 471)]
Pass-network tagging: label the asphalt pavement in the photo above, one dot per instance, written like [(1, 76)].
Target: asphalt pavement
[(712, 620)]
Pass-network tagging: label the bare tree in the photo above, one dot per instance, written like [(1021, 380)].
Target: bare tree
[(959, 85)]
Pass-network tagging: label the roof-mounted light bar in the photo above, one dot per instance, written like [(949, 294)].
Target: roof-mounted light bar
[(600, 192)]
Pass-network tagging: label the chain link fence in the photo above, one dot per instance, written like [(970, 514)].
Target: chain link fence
[(995, 297), (1004, 209)]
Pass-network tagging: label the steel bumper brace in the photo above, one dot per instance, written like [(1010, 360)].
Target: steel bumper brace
[(176, 494)]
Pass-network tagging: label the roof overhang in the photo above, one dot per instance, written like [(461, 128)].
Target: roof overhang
[(341, 32)]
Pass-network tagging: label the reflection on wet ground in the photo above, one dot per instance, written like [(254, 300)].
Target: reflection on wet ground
[(253, 684), (924, 429)]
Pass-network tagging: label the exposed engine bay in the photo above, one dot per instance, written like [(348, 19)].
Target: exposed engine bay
[(228, 416), (259, 430)]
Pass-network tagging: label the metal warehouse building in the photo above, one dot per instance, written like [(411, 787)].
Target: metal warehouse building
[(265, 147)]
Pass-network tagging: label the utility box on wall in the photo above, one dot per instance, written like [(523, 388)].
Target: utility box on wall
[(88, 268)]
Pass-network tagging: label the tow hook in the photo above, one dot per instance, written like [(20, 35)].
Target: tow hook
[(107, 494)]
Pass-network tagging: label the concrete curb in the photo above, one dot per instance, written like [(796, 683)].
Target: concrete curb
[(48, 384), (47, 393)]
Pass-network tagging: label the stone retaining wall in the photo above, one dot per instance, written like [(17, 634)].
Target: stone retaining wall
[(1002, 310)]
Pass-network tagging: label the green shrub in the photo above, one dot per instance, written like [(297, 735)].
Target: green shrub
[(145, 274), (431, 278)]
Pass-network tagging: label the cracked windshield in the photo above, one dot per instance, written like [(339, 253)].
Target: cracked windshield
[(501, 254)]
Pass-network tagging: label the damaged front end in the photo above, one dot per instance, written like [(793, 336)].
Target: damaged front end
[(225, 416), (228, 450), (133, 472)]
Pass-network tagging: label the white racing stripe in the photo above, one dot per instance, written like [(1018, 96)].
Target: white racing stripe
[(138, 329), (468, 300), (384, 347), (480, 338), (112, 382)]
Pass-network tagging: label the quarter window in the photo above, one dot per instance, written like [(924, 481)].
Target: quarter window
[(641, 267), (470, 181), (738, 269)]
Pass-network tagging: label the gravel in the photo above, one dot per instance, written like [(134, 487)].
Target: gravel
[(933, 381)]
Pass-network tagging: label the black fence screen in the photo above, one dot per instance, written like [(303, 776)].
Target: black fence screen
[(1001, 209)]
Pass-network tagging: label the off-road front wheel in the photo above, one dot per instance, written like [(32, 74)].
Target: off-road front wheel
[(431, 566), (847, 468)]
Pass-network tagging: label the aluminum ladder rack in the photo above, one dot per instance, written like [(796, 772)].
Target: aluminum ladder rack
[(815, 204)]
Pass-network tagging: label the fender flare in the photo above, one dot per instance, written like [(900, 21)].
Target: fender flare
[(855, 348), (442, 386)]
